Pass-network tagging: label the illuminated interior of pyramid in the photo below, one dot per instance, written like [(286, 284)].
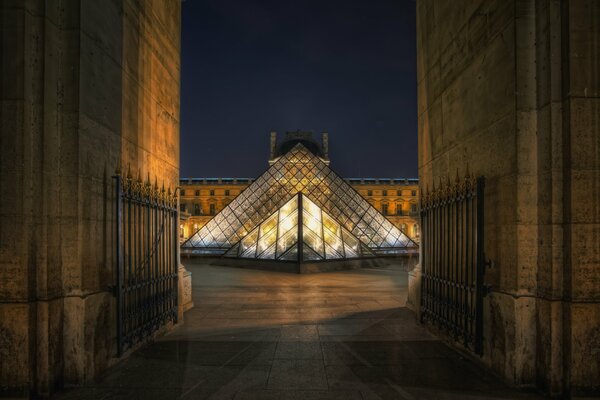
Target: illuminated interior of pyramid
[(299, 231), (251, 217)]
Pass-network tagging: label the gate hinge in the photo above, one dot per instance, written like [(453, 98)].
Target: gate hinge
[(489, 263), (113, 290)]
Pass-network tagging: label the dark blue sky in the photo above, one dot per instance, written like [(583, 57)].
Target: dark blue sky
[(252, 66)]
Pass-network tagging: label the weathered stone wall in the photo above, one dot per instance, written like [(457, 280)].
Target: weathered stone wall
[(511, 89), (86, 85)]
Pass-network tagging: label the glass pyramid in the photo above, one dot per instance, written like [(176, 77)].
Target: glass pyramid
[(276, 238), (297, 171)]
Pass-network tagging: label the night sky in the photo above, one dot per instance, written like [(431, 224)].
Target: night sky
[(345, 67)]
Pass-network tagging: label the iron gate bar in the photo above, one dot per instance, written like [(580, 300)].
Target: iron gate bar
[(453, 264), (147, 259)]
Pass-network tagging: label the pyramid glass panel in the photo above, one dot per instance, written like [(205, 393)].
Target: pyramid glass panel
[(287, 240), (233, 251), (313, 240), (250, 252), (268, 253), (288, 222), (265, 242), (271, 200), (249, 240), (290, 255), (331, 254), (310, 255)]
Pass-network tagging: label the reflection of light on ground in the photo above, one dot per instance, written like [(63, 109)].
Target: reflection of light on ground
[(232, 301), (256, 334)]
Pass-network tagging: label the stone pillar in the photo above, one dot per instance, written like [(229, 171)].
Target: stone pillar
[(86, 86), (184, 289), (511, 89)]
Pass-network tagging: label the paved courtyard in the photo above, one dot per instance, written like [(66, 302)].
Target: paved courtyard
[(266, 335)]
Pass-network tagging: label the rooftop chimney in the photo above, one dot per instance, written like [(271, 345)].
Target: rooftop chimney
[(273, 144), (325, 141)]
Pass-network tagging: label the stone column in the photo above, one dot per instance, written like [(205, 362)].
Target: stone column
[(511, 88), (184, 300), (86, 86)]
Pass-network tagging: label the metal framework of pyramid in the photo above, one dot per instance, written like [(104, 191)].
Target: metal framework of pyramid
[(298, 171), (299, 231)]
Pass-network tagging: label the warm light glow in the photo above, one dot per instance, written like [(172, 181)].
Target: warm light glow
[(335, 217), (289, 222), (277, 236), (312, 223), (312, 208)]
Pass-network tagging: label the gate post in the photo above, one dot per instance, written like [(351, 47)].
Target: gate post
[(414, 289), (184, 292), (415, 275)]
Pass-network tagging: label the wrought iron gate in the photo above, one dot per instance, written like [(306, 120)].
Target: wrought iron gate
[(452, 260), (147, 259)]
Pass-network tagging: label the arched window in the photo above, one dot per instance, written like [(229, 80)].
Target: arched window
[(403, 228)]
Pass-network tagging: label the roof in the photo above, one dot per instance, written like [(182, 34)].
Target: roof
[(365, 181)]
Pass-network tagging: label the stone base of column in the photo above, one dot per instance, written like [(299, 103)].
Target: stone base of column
[(414, 290), (185, 291)]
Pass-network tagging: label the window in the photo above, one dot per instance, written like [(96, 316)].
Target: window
[(384, 192), (398, 209), (197, 193), (182, 207), (227, 192), (197, 209), (212, 192), (403, 228), (415, 231), (413, 208), (182, 192), (181, 231), (212, 208), (413, 193), (369, 193), (384, 209)]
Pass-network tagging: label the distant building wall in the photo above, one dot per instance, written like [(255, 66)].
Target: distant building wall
[(399, 196), (511, 89), (86, 85)]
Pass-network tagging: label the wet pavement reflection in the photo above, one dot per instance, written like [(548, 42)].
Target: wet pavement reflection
[(266, 335)]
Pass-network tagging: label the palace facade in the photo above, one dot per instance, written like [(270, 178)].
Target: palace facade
[(396, 198)]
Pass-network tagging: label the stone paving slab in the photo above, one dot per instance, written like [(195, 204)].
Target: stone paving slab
[(264, 335)]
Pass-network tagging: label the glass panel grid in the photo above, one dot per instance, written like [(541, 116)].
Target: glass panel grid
[(298, 170)]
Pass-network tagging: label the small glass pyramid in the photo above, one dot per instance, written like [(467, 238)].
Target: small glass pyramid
[(276, 238), (241, 222)]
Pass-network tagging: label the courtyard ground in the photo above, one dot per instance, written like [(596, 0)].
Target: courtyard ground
[(267, 335)]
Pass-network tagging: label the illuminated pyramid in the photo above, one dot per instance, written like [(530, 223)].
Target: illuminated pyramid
[(277, 237), (296, 171)]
